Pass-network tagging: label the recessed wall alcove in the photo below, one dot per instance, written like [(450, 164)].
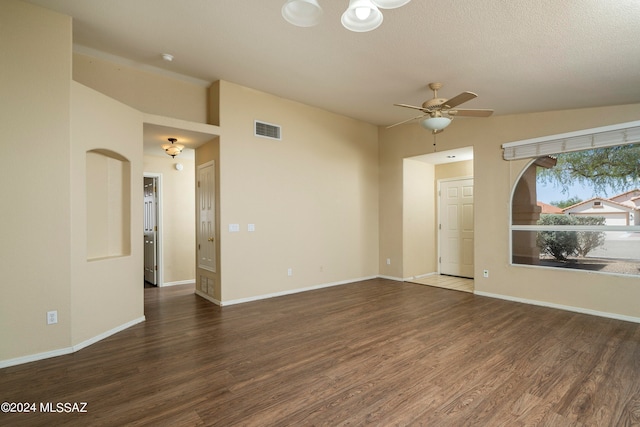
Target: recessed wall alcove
[(108, 177)]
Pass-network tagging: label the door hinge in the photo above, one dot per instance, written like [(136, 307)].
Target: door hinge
[(198, 246), (440, 260), (439, 226), (198, 184), (155, 228), (156, 268)]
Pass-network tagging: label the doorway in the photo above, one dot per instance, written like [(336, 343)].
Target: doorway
[(455, 229), (152, 229), (206, 234), (422, 252)]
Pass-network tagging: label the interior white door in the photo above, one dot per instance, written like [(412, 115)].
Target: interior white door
[(150, 231), (456, 227), (206, 217)]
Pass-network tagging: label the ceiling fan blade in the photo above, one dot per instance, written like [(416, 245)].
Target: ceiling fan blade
[(459, 99), (408, 120), (471, 113), (412, 106)]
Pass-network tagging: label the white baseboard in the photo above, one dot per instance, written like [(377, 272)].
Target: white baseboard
[(207, 297), (68, 350), (395, 279), (108, 333), (179, 282), (35, 357), (561, 307), (294, 291), (419, 276)]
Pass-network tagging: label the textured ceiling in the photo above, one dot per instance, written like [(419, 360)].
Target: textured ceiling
[(518, 56)]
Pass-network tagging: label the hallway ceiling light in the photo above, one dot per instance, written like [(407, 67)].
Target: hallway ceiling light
[(173, 149), (360, 16)]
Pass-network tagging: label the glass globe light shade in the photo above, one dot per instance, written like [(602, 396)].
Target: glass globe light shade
[(361, 16), (389, 4), (302, 13), (435, 123)]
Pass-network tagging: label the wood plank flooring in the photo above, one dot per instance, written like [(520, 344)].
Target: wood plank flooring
[(447, 282), (374, 352)]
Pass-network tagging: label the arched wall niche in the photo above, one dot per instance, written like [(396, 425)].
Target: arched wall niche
[(108, 185)]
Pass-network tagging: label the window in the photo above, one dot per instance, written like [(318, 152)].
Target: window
[(579, 209)]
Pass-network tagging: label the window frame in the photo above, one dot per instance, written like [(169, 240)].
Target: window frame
[(584, 140)]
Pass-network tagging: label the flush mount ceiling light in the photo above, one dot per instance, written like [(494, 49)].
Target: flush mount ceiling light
[(360, 16), (172, 149)]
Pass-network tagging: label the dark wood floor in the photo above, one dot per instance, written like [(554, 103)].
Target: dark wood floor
[(375, 352)]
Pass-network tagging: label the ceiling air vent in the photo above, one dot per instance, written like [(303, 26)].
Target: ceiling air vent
[(267, 130)]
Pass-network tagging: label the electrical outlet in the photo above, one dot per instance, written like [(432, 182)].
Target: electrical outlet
[(388, 261), (52, 317), (485, 273), (290, 272)]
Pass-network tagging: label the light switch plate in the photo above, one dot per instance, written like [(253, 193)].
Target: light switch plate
[(251, 227), (234, 228)]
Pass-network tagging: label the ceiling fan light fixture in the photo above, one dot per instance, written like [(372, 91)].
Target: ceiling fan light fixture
[(302, 13), (361, 16), (389, 4), (435, 123)]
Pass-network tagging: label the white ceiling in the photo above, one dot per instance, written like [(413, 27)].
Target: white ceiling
[(519, 56)]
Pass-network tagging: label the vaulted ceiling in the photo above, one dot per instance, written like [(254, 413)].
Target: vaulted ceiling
[(519, 56)]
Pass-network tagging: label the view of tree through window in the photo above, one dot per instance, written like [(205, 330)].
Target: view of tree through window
[(580, 210)]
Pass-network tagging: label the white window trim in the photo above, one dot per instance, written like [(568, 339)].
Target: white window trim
[(600, 137), (631, 228)]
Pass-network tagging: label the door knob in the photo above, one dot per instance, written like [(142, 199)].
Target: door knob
[(210, 239)]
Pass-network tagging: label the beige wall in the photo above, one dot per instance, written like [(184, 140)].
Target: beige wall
[(462, 169), (493, 182), (313, 196), (145, 91), (107, 292), (35, 77), (419, 219), (178, 216)]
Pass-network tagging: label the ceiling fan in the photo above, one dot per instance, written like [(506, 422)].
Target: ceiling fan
[(440, 111)]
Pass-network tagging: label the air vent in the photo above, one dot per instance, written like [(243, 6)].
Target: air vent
[(267, 130)]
